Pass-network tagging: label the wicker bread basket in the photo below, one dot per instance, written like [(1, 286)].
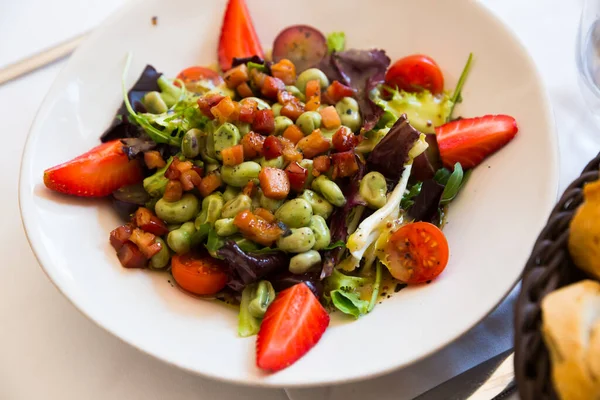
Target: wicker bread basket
[(548, 268)]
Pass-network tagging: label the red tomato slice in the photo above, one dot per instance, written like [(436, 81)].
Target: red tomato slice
[(415, 73), (417, 252), (199, 273), (199, 79)]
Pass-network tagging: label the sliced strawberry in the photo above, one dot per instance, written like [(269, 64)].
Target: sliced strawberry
[(238, 37), (97, 173), (293, 324), (468, 141)]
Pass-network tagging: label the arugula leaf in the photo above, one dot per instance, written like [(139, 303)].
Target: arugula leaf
[(260, 67), (441, 176), (349, 303), (457, 95), (336, 41), (331, 246), (214, 242), (453, 185), (408, 199)]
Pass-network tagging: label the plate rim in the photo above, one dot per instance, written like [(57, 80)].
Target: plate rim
[(28, 225)]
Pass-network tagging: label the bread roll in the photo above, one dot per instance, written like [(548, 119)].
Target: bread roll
[(571, 330), (584, 235)]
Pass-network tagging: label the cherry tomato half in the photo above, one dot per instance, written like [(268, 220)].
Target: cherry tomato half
[(415, 73), (199, 79), (199, 273), (417, 252)]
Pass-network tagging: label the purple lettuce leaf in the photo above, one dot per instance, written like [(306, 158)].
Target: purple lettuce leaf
[(426, 204), (286, 279), (391, 153), (246, 268), (362, 70), (120, 126)]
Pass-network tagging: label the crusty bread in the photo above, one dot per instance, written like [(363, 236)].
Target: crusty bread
[(571, 330), (584, 231)]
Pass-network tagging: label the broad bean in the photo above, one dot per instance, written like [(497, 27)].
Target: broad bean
[(225, 227), (241, 174), (212, 206), (277, 162), (373, 189), (309, 121), (276, 109), (230, 192), (310, 75), (267, 203), (347, 109), (190, 143), (297, 241), (262, 297), (295, 213), (308, 164), (226, 136), (154, 103), (330, 190), (281, 124), (319, 205), (296, 92), (321, 231), (162, 258), (240, 203), (302, 262), (179, 211), (180, 240), (262, 105)]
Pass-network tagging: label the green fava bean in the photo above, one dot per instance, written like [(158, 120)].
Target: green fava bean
[(267, 203), (262, 105), (330, 190), (212, 167), (230, 192), (154, 103), (308, 164), (373, 189), (240, 203), (295, 213), (347, 109), (276, 109), (180, 240), (297, 241), (319, 205), (262, 297), (309, 121), (241, 174), (277, 162), (311, 74), (244, 128), (282, 123), (177, 212), (225, 227), (226, 136), (302, 262), (321, 231), (212, 206), (190, 143), (162, 258), (296, 92)]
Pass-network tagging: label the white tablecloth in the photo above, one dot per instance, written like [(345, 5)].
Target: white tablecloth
[(48, 350)]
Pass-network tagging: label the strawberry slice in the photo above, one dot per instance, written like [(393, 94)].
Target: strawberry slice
[(238, 37), (293, 324), (97, 173), (468, 141)]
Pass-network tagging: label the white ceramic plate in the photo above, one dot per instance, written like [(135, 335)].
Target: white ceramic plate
[(491, 226)]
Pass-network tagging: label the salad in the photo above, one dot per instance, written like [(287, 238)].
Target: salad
[(312, 179)]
